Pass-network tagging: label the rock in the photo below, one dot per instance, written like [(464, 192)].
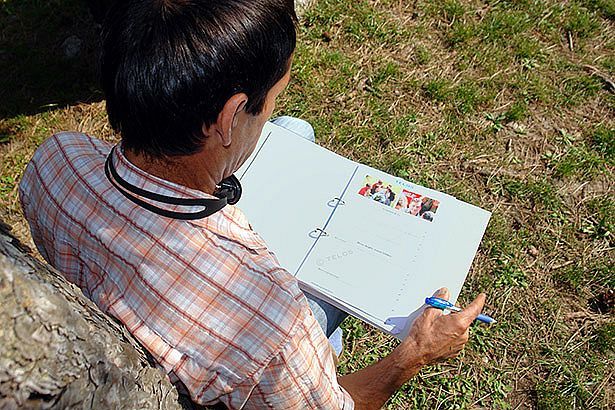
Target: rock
[(532, 250), (72, 47)]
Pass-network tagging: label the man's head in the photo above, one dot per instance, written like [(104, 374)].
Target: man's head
[(169, 67)]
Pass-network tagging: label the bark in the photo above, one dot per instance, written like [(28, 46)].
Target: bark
[(58, 350)]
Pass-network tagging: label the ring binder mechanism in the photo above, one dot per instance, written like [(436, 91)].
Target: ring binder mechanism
[(316, 233), (375, 260), (335, 202)]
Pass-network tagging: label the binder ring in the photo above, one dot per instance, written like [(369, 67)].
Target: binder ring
[(316, 233), (336, 201)]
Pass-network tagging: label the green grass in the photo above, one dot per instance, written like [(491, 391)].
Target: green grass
[(437, 90), (582, 157), (487, 101), (605, 7), (603, 340)]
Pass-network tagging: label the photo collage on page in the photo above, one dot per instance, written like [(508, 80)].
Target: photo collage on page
[(399, 198)]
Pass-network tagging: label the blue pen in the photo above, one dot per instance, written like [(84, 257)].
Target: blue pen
[(443, 304)]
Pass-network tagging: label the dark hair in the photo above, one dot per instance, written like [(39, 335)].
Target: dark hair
[(169, 66)]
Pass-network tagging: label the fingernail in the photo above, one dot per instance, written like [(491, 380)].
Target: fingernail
[(440, 291)]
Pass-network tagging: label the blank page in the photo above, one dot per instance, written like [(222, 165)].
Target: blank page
[(288, 185)]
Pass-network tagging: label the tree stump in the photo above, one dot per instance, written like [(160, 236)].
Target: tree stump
[(58, 350)]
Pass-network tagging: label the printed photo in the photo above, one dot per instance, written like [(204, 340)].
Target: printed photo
[(380, 191), (415, 204), (409, 203)]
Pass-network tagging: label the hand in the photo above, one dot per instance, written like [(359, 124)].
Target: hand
[(437, 336), (433, 337)]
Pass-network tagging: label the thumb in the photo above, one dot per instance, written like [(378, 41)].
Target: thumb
[(473, 309)]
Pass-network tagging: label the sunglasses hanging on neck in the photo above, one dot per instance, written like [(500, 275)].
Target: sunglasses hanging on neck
[(228, 191)]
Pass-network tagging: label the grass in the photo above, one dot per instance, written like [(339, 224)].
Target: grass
[(488, 101)]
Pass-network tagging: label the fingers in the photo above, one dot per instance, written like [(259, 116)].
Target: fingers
[(438, 336), (465, 317), (434, 312), (473, 309), (442, 293)]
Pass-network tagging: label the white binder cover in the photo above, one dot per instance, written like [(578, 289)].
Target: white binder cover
[(370, 243)]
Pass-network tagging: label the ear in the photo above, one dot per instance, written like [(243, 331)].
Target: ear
[(227, 119)]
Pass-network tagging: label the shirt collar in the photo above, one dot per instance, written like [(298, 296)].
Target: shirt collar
[(230, 222)]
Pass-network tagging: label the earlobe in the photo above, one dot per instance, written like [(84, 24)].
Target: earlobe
[(214, 131)]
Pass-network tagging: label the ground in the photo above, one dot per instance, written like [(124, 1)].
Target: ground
[(508, 105)]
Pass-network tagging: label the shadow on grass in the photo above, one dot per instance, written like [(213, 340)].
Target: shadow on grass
[(48, 55)]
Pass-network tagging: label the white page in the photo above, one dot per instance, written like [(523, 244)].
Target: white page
[(379, 262), (287, 185)]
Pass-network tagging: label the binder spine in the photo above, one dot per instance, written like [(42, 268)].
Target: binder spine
[(320, 232)]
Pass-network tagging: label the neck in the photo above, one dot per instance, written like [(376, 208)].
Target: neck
[(189, 170)]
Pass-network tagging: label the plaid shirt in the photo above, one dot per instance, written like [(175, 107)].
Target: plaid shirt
[(205, 297)]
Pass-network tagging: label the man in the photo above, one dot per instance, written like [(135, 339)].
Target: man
[(189, 85)]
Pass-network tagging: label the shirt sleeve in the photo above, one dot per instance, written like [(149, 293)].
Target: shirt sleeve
[(302, 375)]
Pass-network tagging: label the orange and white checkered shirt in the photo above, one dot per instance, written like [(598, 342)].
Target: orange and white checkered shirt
[(205, 297)]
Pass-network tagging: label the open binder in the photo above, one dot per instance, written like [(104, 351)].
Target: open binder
[(370, 243)]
